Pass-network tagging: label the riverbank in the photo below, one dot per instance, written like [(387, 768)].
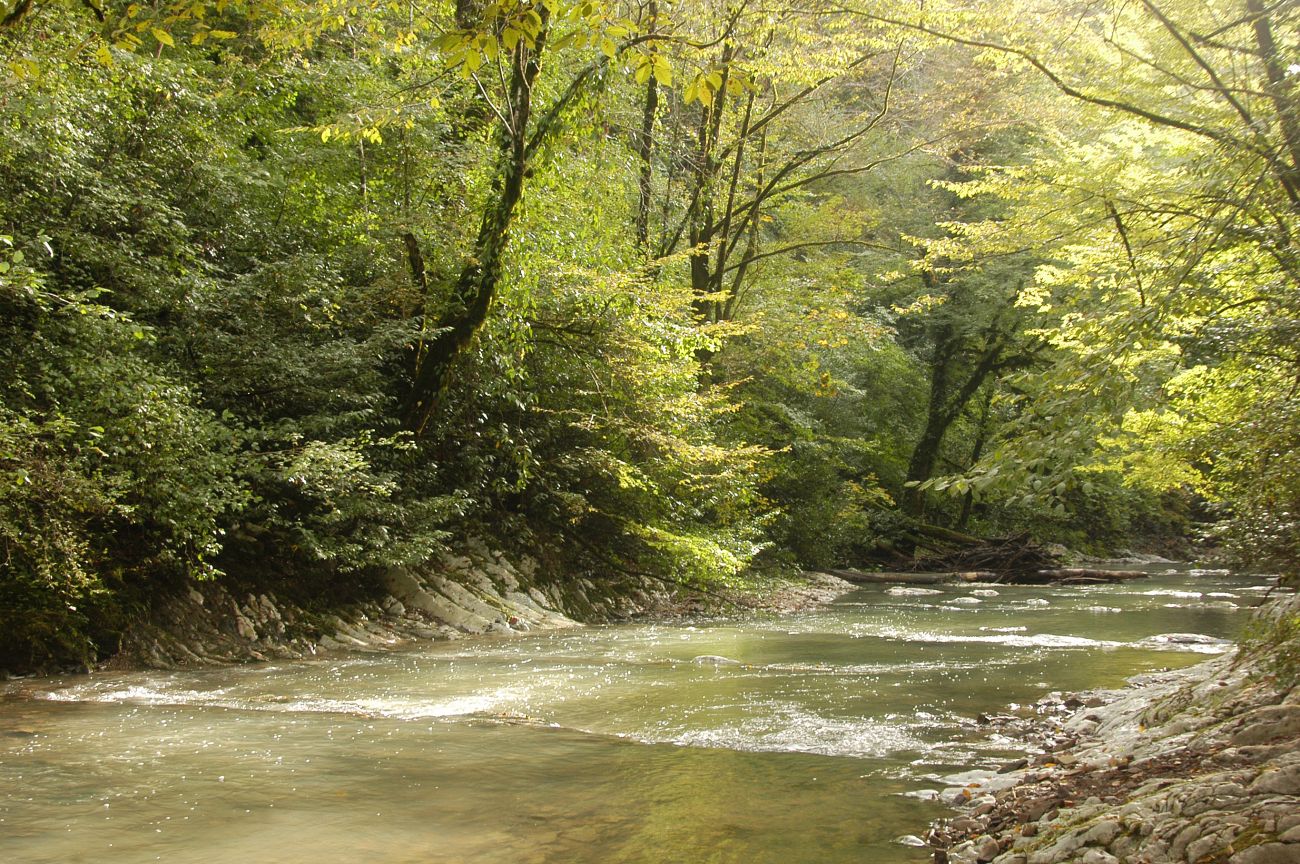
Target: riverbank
[(480, 591), (1200, 765)]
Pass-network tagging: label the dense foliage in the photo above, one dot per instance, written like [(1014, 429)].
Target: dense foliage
[(291, 293)]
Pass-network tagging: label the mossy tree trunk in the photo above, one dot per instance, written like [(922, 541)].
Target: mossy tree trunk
[(476, 285)]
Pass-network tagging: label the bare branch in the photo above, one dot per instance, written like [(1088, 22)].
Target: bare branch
[(1128, 249), (492, 105)]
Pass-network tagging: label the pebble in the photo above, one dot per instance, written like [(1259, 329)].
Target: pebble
[(986, 848), (963, 853), (910, 840), (966, 825)]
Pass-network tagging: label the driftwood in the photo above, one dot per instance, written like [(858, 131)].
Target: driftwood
[(859, 577), (1085, 575), (1061, 575), (952, 556), (1012, 560)]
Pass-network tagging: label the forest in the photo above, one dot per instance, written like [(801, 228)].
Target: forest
[(296, 291)]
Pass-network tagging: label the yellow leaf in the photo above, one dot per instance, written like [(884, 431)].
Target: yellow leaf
[(163, 36), (662, 71)]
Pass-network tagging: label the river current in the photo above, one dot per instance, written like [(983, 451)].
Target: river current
[(826, 740)]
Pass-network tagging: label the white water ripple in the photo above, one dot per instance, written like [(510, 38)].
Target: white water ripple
[(791, 729), (397, 708)]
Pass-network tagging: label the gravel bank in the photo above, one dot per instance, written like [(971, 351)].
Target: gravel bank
[(1199, 766)]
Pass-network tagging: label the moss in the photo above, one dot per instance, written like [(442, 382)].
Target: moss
[(1274, 645), (1252, 835)]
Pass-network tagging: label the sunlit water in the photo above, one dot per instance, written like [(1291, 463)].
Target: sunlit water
[(608, 744)]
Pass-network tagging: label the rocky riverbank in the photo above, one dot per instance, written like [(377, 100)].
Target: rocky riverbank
[(480, 591), (1199, 766)]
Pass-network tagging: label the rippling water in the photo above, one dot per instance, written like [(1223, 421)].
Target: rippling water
[(609, 744)]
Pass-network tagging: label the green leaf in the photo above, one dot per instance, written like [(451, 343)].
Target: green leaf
[(662, 71)]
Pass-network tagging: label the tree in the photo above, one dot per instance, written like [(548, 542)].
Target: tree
[(1169, 207)]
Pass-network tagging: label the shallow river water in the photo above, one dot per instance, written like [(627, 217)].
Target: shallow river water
[(605, 744)]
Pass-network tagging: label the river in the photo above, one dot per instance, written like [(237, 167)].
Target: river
[(823, 744)]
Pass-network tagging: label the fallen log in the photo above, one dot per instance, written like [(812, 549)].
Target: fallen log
[(860, 577), (1084, 574), (1013, 559), (1063, 575)]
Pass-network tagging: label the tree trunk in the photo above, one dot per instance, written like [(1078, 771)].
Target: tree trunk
[(926, 452), (645, 152), (948, 401), (476, 285), (1279, 92), (976, 452)]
